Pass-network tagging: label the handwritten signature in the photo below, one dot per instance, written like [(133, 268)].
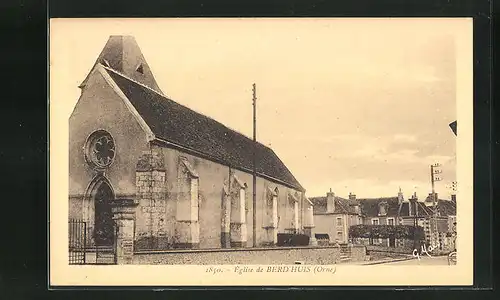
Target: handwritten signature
[(423, 250)]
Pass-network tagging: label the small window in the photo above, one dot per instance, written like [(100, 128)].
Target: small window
[(140, 69), (390, 221), (339, 221), (375, 222), (339, 235)]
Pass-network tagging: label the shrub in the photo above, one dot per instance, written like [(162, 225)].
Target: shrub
[(290, 239), (387, 231)]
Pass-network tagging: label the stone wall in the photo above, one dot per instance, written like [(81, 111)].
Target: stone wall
[(307, 255), (150, 191), (358, 253), (404, 250)]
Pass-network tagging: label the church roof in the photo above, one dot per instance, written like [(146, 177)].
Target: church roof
[(176, 124)]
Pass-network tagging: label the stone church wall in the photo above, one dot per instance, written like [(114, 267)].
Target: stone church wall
[(212, 178), (99, 107), (157, 215)]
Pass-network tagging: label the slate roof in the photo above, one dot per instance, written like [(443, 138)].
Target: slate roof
[(444, 207), (370, 206), (319, 204), (423, 210), (342, 206), (175, 123)]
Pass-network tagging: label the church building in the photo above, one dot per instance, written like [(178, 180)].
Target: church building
[(185, 179)]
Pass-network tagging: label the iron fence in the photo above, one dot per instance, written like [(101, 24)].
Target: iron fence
[(83, 250), (77, 242)]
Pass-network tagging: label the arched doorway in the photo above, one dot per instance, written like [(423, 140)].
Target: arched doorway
[(104, 229)]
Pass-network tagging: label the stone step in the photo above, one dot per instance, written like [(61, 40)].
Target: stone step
[(100, 249), (107, 259), (344, 258)]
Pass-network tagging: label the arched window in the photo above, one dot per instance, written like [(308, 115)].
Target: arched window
[(272, 208), (294, 204), (104, 229), (187, 194), (238, 201)]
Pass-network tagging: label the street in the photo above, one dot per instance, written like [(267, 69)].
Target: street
[(424, 260)]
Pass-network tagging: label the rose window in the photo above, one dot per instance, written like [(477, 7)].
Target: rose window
[(100, 149)]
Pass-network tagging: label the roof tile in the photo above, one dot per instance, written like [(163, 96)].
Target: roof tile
[(178, 124)]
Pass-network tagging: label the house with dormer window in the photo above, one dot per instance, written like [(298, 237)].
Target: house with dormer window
[(381, 211), (333, 215)]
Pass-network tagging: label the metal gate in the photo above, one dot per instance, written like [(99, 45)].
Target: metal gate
[(82, 249)]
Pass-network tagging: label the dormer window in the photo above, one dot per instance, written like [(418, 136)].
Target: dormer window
[(140, 69), (382, 209)]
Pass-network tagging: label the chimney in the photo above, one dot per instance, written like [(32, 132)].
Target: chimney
[(430, 197), (330, 201), (352, 196), (454, 198), (412, 205), (400, 196)]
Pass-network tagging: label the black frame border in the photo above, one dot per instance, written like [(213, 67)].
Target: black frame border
[(34, 20)]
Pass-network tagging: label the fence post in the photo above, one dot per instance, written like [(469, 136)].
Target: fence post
[(124, 216), (84, 242)]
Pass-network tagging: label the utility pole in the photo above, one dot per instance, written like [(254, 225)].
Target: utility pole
[(434, 178), (414, 200), (254, 202)]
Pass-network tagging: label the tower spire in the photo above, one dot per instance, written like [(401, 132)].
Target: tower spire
[(123, 55)]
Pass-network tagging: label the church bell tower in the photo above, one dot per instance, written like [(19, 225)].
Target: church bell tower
[(122, 54)]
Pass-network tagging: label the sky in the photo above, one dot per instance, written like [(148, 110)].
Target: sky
[(356, 105)]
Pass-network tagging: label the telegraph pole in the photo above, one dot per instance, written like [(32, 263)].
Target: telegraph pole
[(254, 202), (434, 178)]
